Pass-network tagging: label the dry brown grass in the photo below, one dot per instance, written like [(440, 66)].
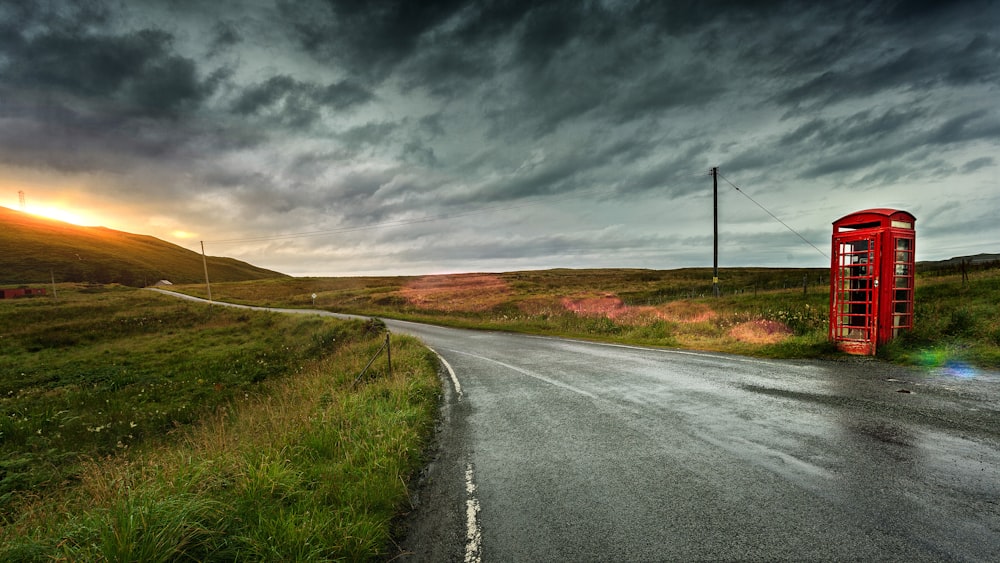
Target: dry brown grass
[(459, 292), (686, 312), (607, 305), (541, 306), (611, 306), (761, 331)]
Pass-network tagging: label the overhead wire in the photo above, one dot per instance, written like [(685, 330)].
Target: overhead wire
[(775, 217)]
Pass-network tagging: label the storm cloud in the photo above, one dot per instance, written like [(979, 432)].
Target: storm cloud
[(346, 137)]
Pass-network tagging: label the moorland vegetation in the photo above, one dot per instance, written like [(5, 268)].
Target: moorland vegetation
[(770, 312), (136, 426)]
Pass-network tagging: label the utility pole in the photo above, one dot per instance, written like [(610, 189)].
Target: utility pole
[(204, 262), (715, 231)]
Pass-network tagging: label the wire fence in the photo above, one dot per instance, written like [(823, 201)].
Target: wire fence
[(387, 348)]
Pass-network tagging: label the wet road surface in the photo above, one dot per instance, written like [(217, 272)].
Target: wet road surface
[(591, 452), (558, 450)]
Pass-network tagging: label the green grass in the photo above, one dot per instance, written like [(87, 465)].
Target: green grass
[(954, 322), (231, 435), (534, 305)]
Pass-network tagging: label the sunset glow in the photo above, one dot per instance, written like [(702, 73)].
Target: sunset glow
[(61, 214)]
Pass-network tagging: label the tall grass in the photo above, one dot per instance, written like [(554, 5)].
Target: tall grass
[(312, 467), (954, 321)]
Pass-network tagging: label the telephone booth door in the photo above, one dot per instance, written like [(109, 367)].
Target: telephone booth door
[(871, 279), (853, 320)]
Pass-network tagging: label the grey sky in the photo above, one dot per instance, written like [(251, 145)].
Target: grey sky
[(395, 137)]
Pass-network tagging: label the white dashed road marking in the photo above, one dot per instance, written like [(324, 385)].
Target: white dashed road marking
[(473, 537)]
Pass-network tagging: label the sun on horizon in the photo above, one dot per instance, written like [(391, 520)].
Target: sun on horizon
[(62, 214)]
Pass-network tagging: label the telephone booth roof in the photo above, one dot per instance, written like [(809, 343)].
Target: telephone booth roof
[(880, 216)]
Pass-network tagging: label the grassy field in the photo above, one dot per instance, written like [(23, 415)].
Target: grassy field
[(139, 427), (765, 312)]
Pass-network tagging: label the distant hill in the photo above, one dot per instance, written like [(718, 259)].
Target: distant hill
[(33, 250), (978, 260)]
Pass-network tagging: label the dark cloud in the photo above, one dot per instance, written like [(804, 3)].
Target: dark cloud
[(971, 126), (369, 37), (419, 153), (368, 134), (975, 164), (343, 94), (65, 135), (868, 127), (673, 177), (908, 13), (225, 35), (139, 71), (353, 113), (886, 141), (81, 94), (16, 18), (692, 85), (431, 125), (448, 72), (298, 103), (586, 242), (936, 62), (547, 29), (263, 95)]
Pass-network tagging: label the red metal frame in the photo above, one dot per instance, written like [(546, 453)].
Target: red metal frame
[(871, 278)]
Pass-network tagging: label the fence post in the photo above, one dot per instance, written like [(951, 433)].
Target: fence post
[(385, 346), (388, 353)]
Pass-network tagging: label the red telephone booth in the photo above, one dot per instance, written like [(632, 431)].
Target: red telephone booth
[(871, 278)]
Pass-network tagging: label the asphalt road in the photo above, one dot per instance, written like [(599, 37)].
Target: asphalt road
[(558, 450), (591, 452)]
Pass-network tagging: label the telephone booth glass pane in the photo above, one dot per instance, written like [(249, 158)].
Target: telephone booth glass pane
[(902, 295), (855, 287)]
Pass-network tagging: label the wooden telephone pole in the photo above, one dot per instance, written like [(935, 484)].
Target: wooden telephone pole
[(715, 231), (204, 262)]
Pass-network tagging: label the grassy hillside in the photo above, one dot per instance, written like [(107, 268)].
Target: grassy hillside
[(33, 250)]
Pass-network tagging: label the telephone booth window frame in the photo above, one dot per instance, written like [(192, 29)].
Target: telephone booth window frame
[(856, 287), (902, 282)]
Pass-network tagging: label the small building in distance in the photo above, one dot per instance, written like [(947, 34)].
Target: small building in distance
[(21, 292)]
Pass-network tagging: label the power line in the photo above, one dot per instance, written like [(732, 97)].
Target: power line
[(744, 194)]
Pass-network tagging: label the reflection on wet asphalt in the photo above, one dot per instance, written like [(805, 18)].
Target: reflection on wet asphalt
[(591, 452), (596, 452)]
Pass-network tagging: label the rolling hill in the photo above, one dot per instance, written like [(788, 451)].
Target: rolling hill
[(34, 250)]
